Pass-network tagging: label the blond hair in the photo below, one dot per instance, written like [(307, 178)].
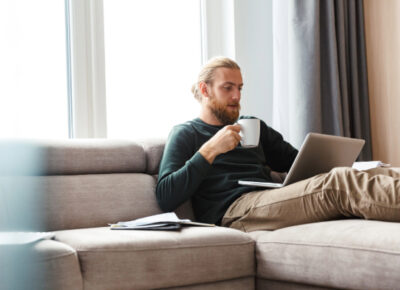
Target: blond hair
[(207, 72)]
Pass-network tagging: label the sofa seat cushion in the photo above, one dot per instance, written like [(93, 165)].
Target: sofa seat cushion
[(351, 254), (46, 264), (128, 259)]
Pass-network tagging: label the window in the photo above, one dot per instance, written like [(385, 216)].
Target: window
[(152, 57), (33, 90)]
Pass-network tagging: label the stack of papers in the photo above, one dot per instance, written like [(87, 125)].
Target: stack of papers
[(365, 165), (165, 221)]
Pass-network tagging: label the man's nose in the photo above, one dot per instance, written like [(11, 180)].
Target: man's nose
[(236, 95)]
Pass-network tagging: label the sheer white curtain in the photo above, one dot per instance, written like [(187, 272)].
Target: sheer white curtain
[(296, 70), (281, 118)]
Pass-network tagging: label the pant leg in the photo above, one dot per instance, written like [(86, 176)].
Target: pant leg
[(343, 192), (393, 172)]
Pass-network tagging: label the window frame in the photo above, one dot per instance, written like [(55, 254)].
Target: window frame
[(88, 108), (88, 111)]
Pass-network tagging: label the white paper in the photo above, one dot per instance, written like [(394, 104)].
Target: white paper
[(164, 217), (365, 165), (156, 222)]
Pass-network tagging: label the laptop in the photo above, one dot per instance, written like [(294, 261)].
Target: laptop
[(319, 154)]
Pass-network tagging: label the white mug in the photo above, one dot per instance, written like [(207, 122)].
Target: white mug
[(250, 132)]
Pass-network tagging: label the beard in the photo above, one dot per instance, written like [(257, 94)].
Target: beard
[(221, 112)]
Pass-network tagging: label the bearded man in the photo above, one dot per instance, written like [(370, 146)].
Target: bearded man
[(203, 161)]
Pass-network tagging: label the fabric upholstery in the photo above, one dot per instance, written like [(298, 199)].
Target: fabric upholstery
[(119, 259), (351, 254), (44, 265), (3, 209), (153, 150), (91, 183), (235, 284), (20, 157), (78, 201), (280, 285), (20, 198), (89, 156)]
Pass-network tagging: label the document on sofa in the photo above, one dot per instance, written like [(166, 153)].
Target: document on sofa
[(165, 221), (365, 165)]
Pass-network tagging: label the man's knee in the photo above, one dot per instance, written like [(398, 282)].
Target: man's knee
[(338, 177)]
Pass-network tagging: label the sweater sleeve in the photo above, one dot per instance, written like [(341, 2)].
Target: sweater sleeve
[(279, 154), (182, 169)]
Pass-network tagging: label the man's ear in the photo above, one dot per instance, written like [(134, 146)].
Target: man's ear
[(203, 88)]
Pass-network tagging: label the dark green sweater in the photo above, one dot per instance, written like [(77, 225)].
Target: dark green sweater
[(185, 174)]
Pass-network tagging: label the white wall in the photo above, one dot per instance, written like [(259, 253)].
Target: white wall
[(242, 30)]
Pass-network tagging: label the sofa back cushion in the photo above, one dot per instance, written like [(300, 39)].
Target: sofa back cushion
[(83, 183), (80, 201), (92, 156), (154, 149)]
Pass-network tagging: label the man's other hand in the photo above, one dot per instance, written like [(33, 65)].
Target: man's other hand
[(225, 140)]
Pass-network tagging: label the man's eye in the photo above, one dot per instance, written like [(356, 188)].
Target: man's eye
[(228, 88)]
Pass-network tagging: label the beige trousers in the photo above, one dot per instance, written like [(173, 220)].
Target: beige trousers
[(343, 192)]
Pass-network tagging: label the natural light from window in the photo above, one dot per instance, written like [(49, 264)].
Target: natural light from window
[(33, 90), (153, 55)]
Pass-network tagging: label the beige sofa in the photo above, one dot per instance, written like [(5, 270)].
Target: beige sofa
[(75, 188)]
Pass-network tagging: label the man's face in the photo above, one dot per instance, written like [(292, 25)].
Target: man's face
[(224, 95)]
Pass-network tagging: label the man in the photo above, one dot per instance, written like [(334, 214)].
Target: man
[(203, 161)]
